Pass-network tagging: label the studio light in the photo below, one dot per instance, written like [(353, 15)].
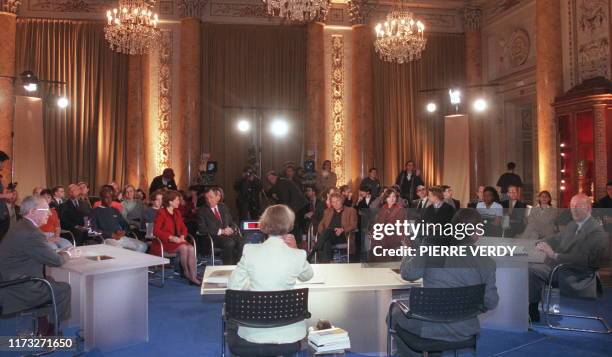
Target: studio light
[(29, 80), (30, 87), (279, 127), (62, 102), (480, 105), (243, 125), (455, 96), (431, 107)]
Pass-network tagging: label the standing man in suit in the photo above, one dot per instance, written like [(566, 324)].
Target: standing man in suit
[(514, 213), (24, 253), (215, 219), (313, 211), (286, 192), (73, 212), (408, 180), (165, 180), (372, 182), (582, 244), (338, 221), (508, 179)]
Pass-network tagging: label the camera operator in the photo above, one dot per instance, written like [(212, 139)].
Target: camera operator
[(207, 169), (248, 201)]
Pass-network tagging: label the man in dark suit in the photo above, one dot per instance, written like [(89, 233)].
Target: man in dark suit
[(58, 198), (24, 253), (215, 219), (438, 211), (448, 197), (73, 212), (313, 211), (582, 244), (364, 216), (165, 180), (479, 193), (514, 212), (286, 192), (408, 180), (372, 182)]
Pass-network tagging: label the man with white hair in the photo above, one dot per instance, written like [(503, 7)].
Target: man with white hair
[(23, 253), (582, 245)]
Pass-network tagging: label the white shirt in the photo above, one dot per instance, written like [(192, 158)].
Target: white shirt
[(495, 210)]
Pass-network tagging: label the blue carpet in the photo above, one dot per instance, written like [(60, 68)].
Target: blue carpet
[(183, 323)]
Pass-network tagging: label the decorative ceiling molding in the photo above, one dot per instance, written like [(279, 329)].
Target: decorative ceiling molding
[(88, 6), (11, 6), (191, 8), (472, 17), (253, 10)]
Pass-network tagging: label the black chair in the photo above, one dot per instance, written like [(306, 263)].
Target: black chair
[(262, 309), (548, 314), (36, 311), (436, 305)]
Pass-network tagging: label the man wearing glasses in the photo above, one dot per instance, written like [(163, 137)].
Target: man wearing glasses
[(24, 252)]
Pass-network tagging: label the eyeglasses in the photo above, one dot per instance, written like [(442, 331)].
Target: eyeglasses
[(43, 209)]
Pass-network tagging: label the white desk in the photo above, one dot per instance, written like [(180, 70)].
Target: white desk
[(352, 297), (109, 298)]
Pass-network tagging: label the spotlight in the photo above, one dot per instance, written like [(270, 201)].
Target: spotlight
[(29, 80), (480, 105), (62, 102), (562, 188), (243, 125), (431, 107), (562, 145), (279, 127), (455, 96)]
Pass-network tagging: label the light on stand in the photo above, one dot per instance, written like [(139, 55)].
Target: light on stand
[(279, 127), (480, 105), (243, 125), (62, 102), (431, 107)]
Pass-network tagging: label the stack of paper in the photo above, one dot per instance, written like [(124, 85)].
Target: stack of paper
[(333, 340)]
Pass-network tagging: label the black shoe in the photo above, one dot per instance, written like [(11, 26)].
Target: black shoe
[(534, 312)]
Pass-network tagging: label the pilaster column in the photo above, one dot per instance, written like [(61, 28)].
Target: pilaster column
[(315, 91), (601, 152), (136, 105), (362, 118), (473, 76), (8, 27), (549, 84), (189, 111)]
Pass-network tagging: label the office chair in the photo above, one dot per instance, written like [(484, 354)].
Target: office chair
[(436, 305)]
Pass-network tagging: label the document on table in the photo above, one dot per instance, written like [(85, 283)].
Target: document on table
[(219, 277)]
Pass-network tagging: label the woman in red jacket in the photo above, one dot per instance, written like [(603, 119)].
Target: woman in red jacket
[(171, 230)]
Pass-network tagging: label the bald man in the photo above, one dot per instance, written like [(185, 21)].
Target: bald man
[(582, 244)]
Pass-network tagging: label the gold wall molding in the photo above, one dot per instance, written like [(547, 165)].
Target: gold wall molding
[(337, 107), (164, 117)]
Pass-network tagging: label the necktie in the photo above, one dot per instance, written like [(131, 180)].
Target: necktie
[(76, 203), (217, 214)]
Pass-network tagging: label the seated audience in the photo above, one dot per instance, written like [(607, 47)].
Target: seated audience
[(52, 228), (345, 190), (140, 195), (450, 272), (491, 212), (448, 197), (73, 213), (604, 208), (372, 182), (582, 244), (13, 208), (326, 179), (24, 252), (338, 221), (37, 190), (132, 207), (150, 212), (115, 202), (215, 219), (514, 213), (256, 271), (165, 180), (171, 230), (364, 217), (84, 194), (438, 211), (58, 197), (422, 202), (541, 222), (389, 213), (479, 194), (110, 222)]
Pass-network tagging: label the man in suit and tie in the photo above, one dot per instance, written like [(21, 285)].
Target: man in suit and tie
[(73, 212), (286, 192), (215, 219), (24, 252), (164, 181), (58, 198), (420, 204), (438, 211), (582, 244), (448, 197), (514, 213), (408, 180), (313, 211), (479, 193)]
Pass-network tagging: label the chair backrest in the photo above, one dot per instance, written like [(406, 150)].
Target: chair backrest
[(446, 304), (266, 308)]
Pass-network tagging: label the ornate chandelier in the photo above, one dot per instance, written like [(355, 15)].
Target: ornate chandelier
[(400, 38), (298, 10), (132, 27)]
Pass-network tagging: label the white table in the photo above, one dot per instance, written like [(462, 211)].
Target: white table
[(109, 298), (353, 297)]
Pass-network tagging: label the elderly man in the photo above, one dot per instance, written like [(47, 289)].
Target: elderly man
[(582, 245), (73, 213), (24, 253), (337, 222)]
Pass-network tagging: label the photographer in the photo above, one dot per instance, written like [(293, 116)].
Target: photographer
[(207, 169), (248, 188)]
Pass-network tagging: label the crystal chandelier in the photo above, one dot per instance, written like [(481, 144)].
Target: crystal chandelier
[(298, 10), (400, 38), (132, 27)]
